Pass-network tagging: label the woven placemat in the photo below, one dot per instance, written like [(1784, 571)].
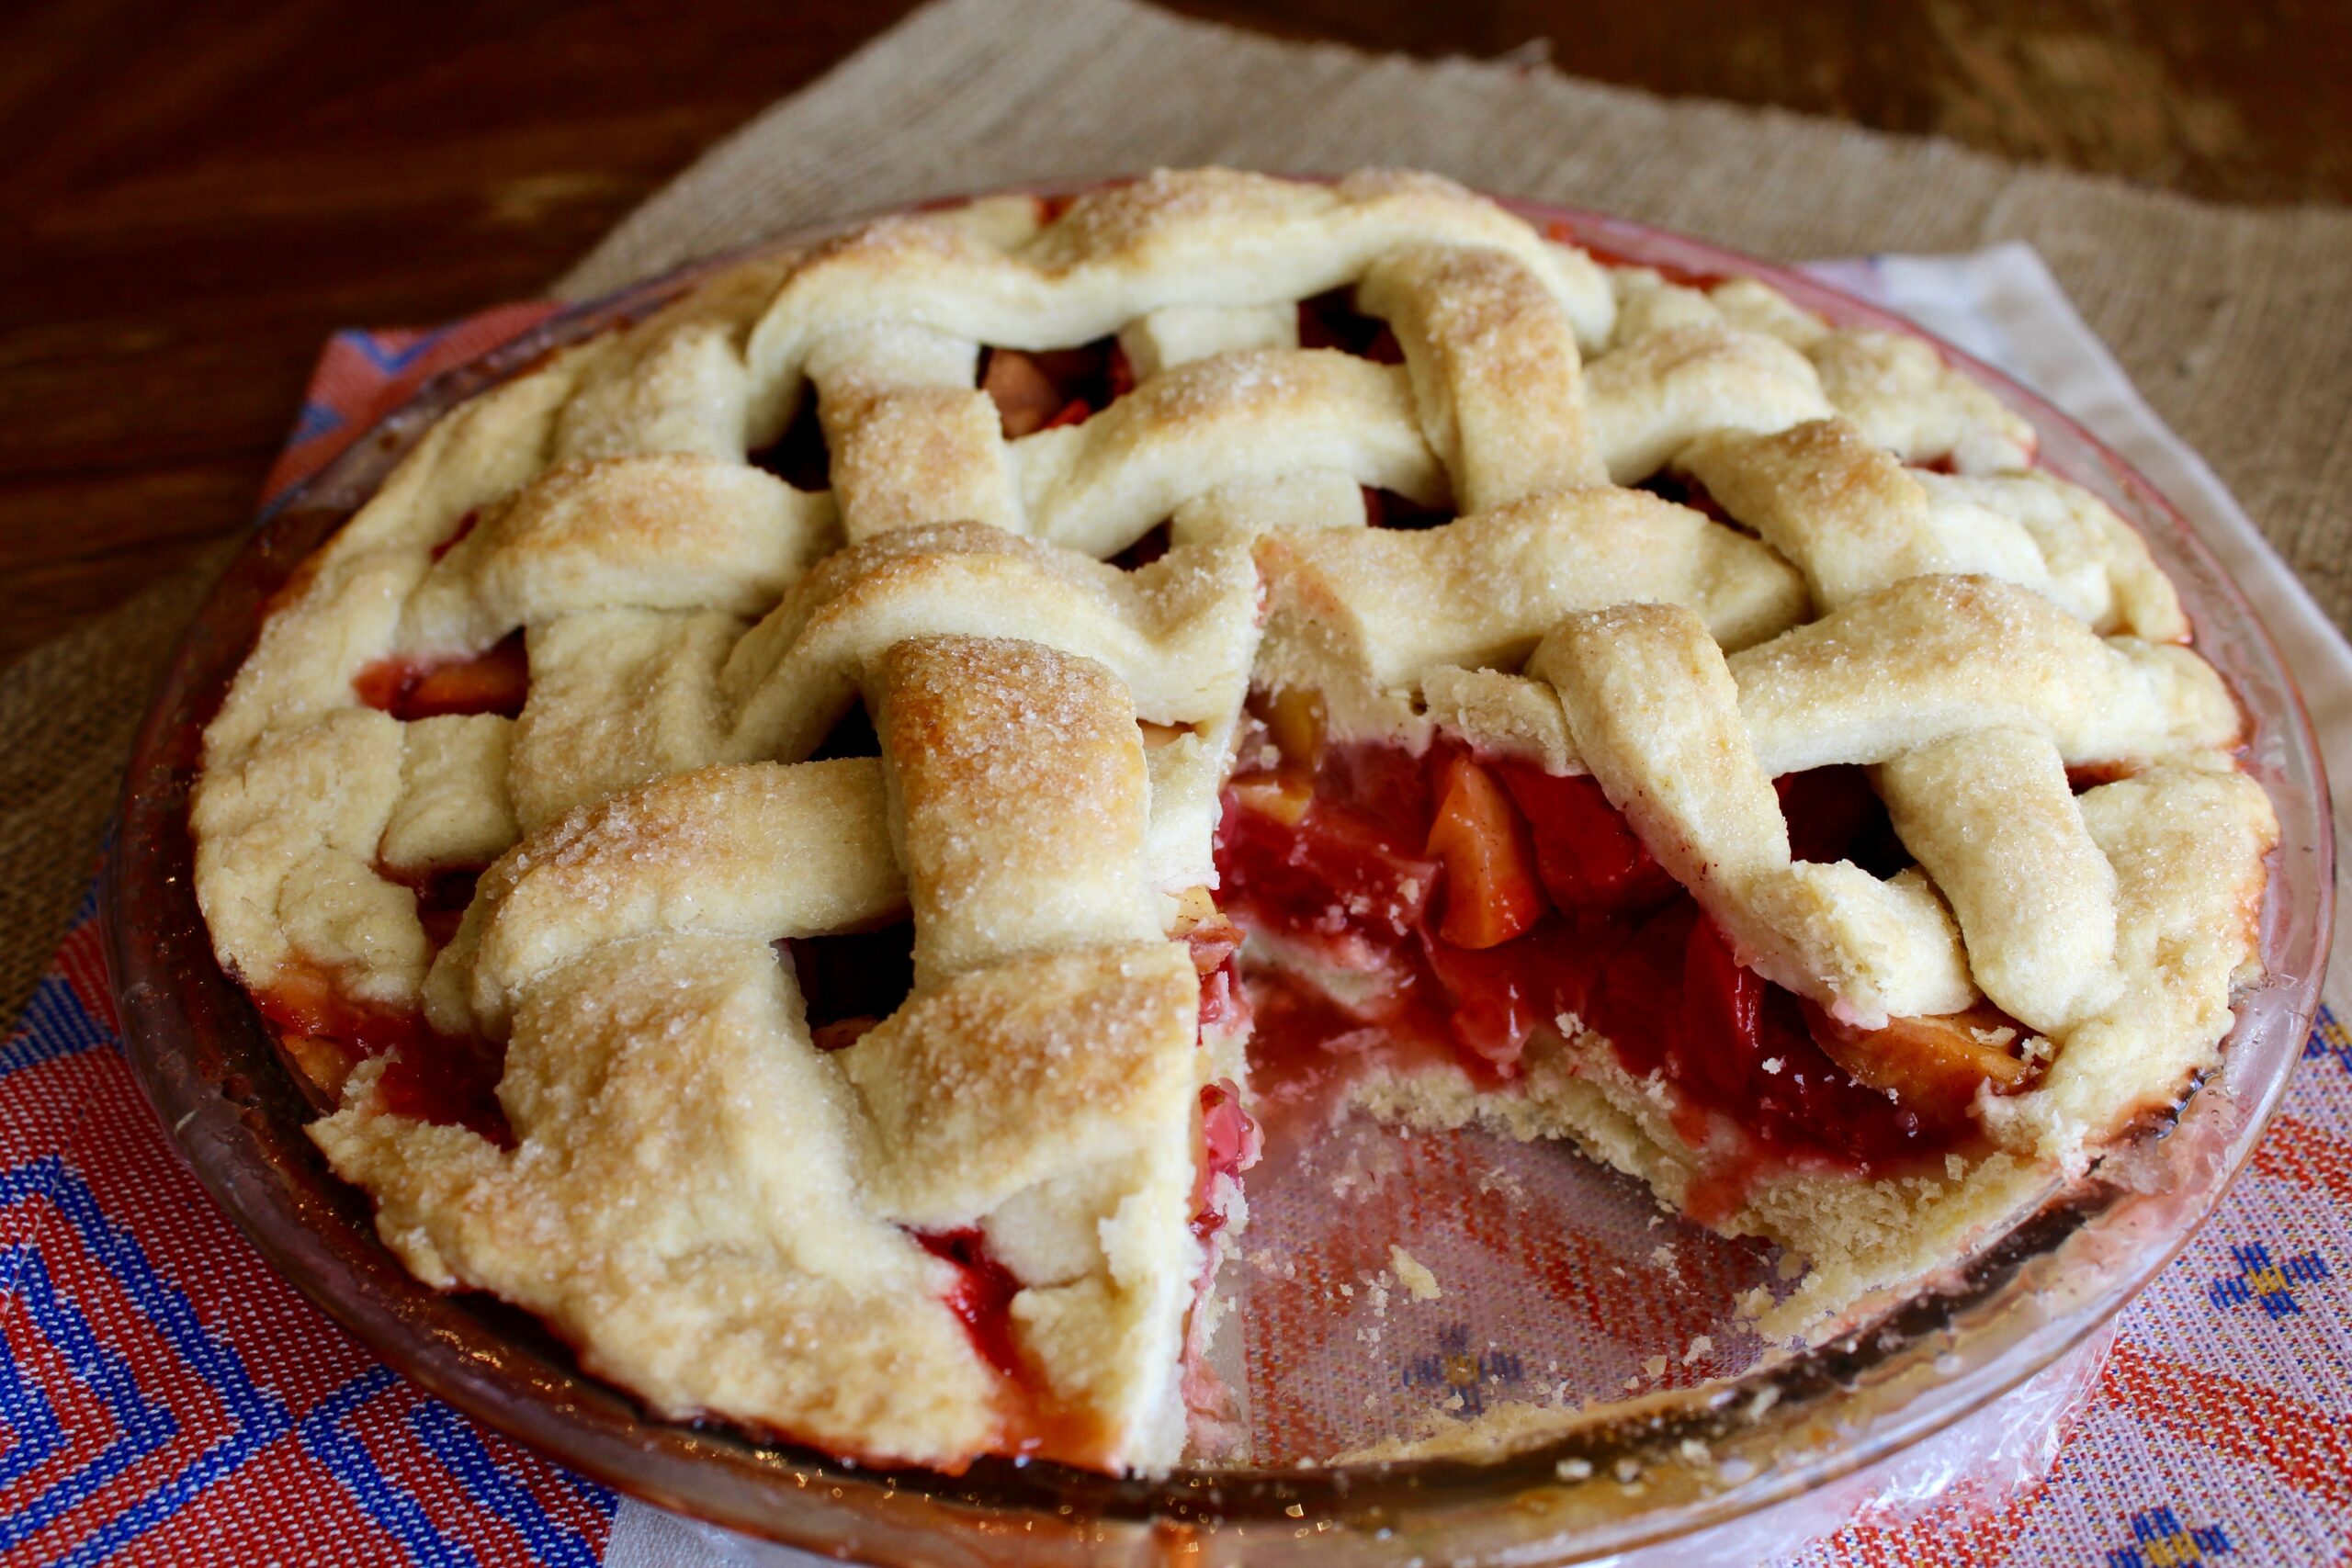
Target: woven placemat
[(2231, 320)]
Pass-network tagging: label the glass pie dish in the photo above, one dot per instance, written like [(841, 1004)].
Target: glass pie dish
[(1635, 1427)]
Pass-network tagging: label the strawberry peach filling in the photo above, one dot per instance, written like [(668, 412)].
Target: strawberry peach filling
[(432, 1077), (1230, 1144), (1033, 1424), (1467, 904), (1044, 391), (495, 681)]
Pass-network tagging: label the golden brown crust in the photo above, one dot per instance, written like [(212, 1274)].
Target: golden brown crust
[(1495, 369), (1365, 614), (1018, 801)]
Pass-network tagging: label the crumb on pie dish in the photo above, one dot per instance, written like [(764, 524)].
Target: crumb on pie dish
[(797, 838)]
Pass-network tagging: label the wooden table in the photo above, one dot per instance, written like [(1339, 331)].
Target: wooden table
[(193, 200)]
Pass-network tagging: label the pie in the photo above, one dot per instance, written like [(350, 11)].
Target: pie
[(768, 833)]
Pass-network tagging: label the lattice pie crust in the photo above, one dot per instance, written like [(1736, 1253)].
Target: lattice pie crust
[(726, 1219)]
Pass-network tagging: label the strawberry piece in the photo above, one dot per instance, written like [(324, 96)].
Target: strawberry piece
[(435, 1077), (1225, 1004), (457, 534), (842, 1034), (1499, 994), (1834, 814), (1387, 509), (440, 926), (1722, 1042), (1213, 942), (304, 1000), (1491, 888), (1045, 389), (449, 1082), (1230, 1144), (1585, 854), (980, 1294), (1074, 411), (1331, 320), (382, 684), (1332, 878), (1637, 993), (1395, 790), (497, 682), (1796, 1077)]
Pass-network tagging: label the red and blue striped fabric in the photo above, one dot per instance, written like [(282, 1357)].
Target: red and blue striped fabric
[(363, 376), (165, 1398)]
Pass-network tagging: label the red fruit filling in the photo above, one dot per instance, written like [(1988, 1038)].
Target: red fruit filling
[(1215, 944), (433, 1077), (1387, 509), (495, 681), (1230, 1144), (1560, 232), (851, 982), (1331, 320), (442, 895), (798, 456), (1489, 864), (1473, 902), (982, 1294), (1149, 547), (1047, 389), (457, 536), (1034, 1424)]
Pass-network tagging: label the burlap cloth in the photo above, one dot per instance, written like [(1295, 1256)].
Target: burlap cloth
[(2235, 323)]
